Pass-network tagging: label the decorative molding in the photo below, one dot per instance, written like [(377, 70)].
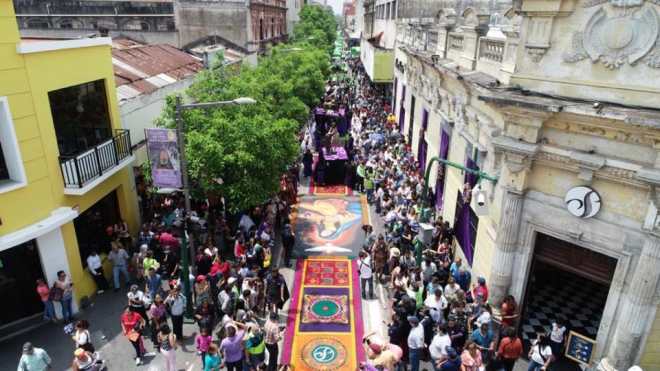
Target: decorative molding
[(539, 29), (587, 164), (620, 32), (518, 154)]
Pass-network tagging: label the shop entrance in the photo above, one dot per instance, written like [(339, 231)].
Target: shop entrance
[(20, 267), (92, 224), (567, 283)]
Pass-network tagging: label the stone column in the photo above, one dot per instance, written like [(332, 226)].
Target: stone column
[(506, 244), (637, 304)]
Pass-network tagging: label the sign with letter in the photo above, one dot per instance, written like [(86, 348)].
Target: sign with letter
[(580, 348), (582, 201), (163, 149)]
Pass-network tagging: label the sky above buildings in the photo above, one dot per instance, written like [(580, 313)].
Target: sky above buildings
[(336, 5)]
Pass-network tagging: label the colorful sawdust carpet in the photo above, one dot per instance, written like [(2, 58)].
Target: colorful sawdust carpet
[(325, 318)]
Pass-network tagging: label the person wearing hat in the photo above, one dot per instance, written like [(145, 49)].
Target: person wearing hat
[(34, 359), (416, 343), (451, 363)]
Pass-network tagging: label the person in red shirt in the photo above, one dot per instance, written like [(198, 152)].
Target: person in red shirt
[(508, 311), (132, 325), (44, 293), (167, 239), (510, 349)]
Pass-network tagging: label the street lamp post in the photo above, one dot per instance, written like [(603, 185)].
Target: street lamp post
[(187, 247), (425, 199)]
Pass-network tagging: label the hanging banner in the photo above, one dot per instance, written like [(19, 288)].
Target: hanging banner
[(163, 150)]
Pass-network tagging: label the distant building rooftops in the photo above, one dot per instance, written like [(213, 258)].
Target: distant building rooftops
[(142, 69)]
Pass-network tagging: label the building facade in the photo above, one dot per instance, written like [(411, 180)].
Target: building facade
[(293, 8), (252, 24), (554, 101), (64, 164), (145, 21), (377, 41)]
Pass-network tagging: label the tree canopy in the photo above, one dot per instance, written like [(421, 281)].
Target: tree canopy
[(249, 147)]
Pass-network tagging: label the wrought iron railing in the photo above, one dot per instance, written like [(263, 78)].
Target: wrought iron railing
[(491, 50), (80, 169)]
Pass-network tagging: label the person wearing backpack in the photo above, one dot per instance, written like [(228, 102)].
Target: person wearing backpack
[(540, 355)]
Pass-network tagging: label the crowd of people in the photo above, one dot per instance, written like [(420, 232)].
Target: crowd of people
[(439, 312), (236, 290)]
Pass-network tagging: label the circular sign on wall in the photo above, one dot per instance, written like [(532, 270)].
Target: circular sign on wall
[(583, 202)]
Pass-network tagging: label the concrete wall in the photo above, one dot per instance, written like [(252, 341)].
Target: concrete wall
[(226, 18), (139, 113), (292, 17)]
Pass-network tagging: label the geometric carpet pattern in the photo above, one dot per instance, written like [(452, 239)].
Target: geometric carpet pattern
[(324, 326)]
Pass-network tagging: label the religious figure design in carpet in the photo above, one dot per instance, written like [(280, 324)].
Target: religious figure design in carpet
[(333, 221)]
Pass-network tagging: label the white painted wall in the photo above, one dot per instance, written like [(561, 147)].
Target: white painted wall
[(53, 259), (140, 112)]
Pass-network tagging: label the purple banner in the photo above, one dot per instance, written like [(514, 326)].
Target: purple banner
[(163, 150), (440, 180)]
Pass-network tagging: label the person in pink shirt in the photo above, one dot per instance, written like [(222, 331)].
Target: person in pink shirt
[(44, 293), (202, 342), (480, 289), (167, 239)]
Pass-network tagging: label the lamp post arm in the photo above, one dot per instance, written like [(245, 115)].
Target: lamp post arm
[(480, 174), (208, 105)]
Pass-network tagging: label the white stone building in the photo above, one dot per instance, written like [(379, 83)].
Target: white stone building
[(559, 101)]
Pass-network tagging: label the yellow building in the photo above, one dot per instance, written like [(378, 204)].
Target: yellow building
[(64, 174)]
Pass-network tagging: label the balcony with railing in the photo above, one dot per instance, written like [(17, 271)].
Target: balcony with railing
[(84, 170), (491, 50)]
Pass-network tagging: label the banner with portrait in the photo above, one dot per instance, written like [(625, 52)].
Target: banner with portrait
[(163, 149)]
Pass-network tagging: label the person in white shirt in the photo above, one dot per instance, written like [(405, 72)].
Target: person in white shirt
[(436, 304), (96, 269), (366, 275), (415, 342), (540, 355), (557, 337), (441, 341)]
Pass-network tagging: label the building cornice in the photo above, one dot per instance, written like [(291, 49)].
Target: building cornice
[(50, 45)]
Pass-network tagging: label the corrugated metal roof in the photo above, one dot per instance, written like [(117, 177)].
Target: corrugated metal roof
[(146, 68)]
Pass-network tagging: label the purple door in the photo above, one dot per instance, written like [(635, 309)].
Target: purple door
[(440, 180)]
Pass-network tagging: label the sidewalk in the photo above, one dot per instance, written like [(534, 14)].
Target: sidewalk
[(103, 316), (377, 313)]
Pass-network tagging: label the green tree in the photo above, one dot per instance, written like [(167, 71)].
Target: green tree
[(249, 147), (316, 25)]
